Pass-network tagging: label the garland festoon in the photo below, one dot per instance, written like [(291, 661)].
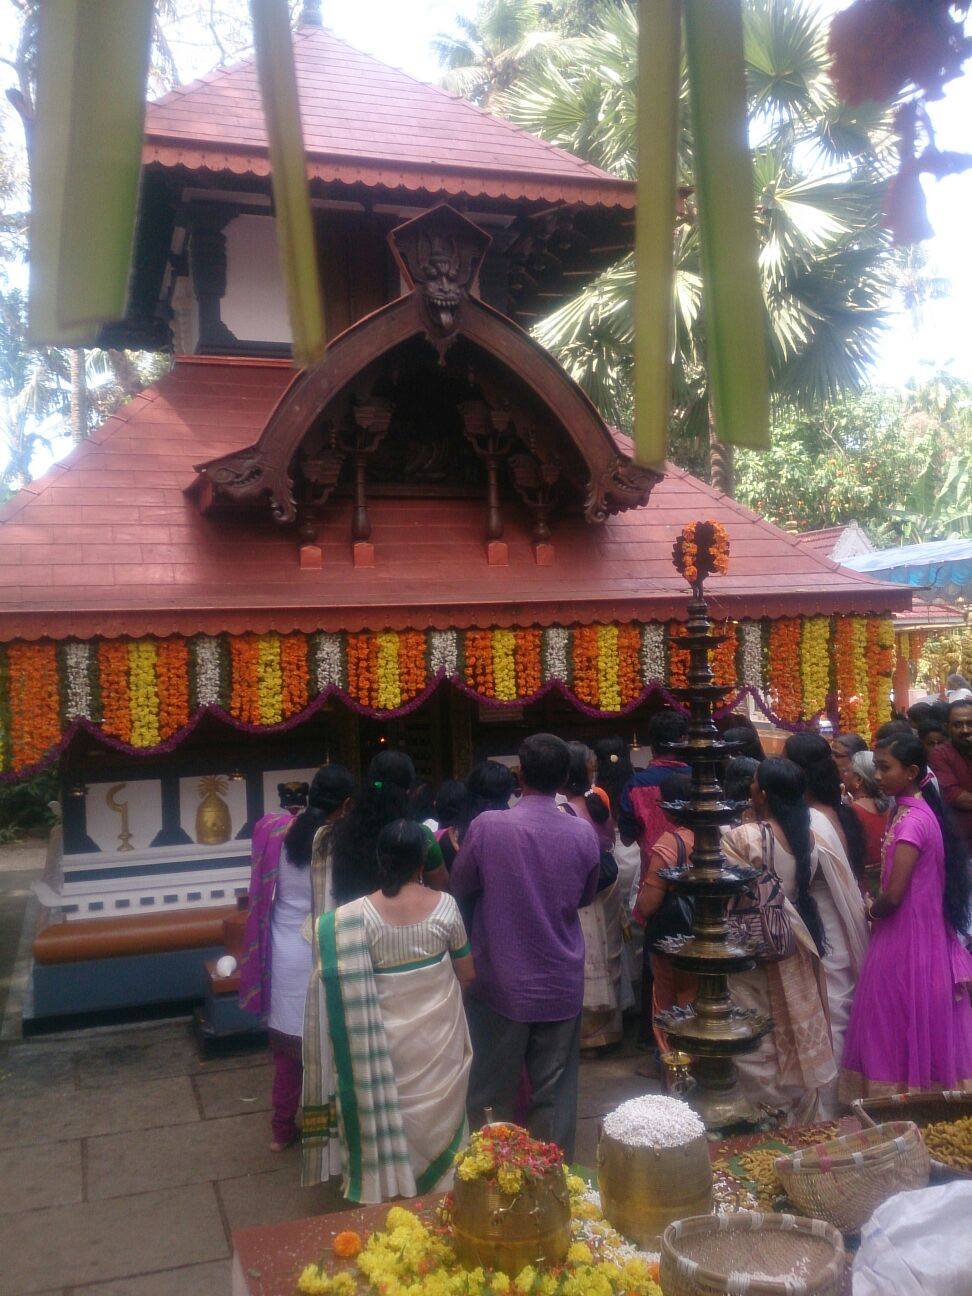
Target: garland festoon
[(145, 695)]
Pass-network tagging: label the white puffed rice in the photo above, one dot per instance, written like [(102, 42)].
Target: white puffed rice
[(653, 1121)]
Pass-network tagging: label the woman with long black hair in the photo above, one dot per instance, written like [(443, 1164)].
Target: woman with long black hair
[(287, 893), (911, 1027), (825, 798), (793, 1069)]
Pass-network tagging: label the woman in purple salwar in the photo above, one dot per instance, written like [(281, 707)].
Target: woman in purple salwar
[(911, 1024), (287, 896)]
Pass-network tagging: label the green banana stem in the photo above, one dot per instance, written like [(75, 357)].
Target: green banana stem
[(735, 325), (273, 42), (659, 49)]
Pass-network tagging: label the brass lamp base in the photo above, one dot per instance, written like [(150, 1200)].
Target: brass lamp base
[(718, 1097)]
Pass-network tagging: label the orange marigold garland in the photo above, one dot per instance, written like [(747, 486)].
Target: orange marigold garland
[(701, 550), (172, 679), (34, 701), (584, 653), (629, 663), (478, 662), (295, 673), (786, 685), (527, 660), (412, 663), (678, 657), (244, 699), (880, 668), (723, 658), (116, 711)]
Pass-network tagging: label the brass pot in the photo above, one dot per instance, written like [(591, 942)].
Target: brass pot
[(644, 1189), (497, 1231)]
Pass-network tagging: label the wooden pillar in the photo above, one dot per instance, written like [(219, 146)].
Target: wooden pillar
[(901, 680)]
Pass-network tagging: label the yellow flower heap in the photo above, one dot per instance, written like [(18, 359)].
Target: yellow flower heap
[(412, 1256)]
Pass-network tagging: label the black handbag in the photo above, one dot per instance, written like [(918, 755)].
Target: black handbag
[(674, 916), (758, 916)]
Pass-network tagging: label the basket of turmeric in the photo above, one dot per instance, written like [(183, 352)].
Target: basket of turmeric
[(944, 1118)]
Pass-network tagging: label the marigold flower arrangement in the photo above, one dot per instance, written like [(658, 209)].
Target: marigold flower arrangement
[(412, 1256), (701, 549), (507, 1155)]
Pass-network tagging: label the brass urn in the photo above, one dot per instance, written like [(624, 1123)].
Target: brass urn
[(499, 1231), (643, 1189), (213, 822)]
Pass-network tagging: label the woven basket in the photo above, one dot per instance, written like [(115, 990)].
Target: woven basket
[(845, 1180), (760, 1255), (924, 1109)]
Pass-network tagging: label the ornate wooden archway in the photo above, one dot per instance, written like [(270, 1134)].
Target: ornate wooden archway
[(439, 253)]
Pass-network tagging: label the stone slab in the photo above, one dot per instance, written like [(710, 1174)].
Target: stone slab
[(29, 1069), (94, 1242), (211, 1279), (136, 1055), (35, 1177), (87, 1113), (234, 1093), (179, 1154), (275, 1197)]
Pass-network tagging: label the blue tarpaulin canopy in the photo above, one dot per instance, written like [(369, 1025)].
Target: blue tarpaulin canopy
[(942, 566)]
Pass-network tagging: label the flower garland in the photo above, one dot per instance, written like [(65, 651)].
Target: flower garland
[(504, 665), (413, 1256), (116, 712), (785, 679), (678, 657), (701, 549), (815, 663), (608, 682), (34, 701), (143, 693)]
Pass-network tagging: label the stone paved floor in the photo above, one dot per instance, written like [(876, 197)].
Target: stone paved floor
[(127, 1158)]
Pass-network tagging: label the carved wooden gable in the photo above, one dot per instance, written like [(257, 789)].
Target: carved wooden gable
[(434, 393)]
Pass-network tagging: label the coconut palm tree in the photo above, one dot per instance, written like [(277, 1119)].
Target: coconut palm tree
[(486, 54), (819, 177)]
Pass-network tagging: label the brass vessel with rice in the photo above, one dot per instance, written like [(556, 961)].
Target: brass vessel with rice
[(648, 1181)]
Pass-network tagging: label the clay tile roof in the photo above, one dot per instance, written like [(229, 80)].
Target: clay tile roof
[(110, 543), (365, 122)]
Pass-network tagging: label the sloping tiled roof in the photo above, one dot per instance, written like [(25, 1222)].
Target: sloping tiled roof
[(109, 543), (367, 123)]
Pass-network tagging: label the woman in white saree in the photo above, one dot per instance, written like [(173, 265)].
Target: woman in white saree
[(833, 885), (393, 966)]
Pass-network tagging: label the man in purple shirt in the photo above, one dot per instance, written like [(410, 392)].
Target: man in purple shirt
[(528, 870)]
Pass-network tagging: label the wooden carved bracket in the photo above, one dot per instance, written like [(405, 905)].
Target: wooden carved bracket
[(371, 420), (535, 481), (440, 253), (488, 431), (621, 485)]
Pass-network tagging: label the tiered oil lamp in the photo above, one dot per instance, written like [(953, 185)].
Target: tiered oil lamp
[(712, 1030)]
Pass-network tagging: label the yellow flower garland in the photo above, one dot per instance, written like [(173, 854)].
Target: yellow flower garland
[(386, 669), (143, 693), (861, 690), (815, 664), (608, 687), (269, 680), (504, 665)]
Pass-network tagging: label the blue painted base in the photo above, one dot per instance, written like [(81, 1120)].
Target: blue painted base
[(222, 1016), (62, 989)]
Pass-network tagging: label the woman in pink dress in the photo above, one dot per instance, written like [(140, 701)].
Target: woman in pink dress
[(911, 1023)]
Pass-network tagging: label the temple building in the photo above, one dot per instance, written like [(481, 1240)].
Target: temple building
[(431, 539)]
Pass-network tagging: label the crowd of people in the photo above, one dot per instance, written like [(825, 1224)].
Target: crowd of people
[(427, 959)]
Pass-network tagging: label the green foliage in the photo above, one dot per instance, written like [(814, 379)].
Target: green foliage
[(900, 464), (819, 178), (24, 806)]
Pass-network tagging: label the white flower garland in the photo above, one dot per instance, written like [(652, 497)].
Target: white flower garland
[(653, 653), (554, 655), (752, 654), (444, 653), (329, 664), (206, 651), (77, 681)]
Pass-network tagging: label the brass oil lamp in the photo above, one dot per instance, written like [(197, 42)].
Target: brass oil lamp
[(712, 1030)]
